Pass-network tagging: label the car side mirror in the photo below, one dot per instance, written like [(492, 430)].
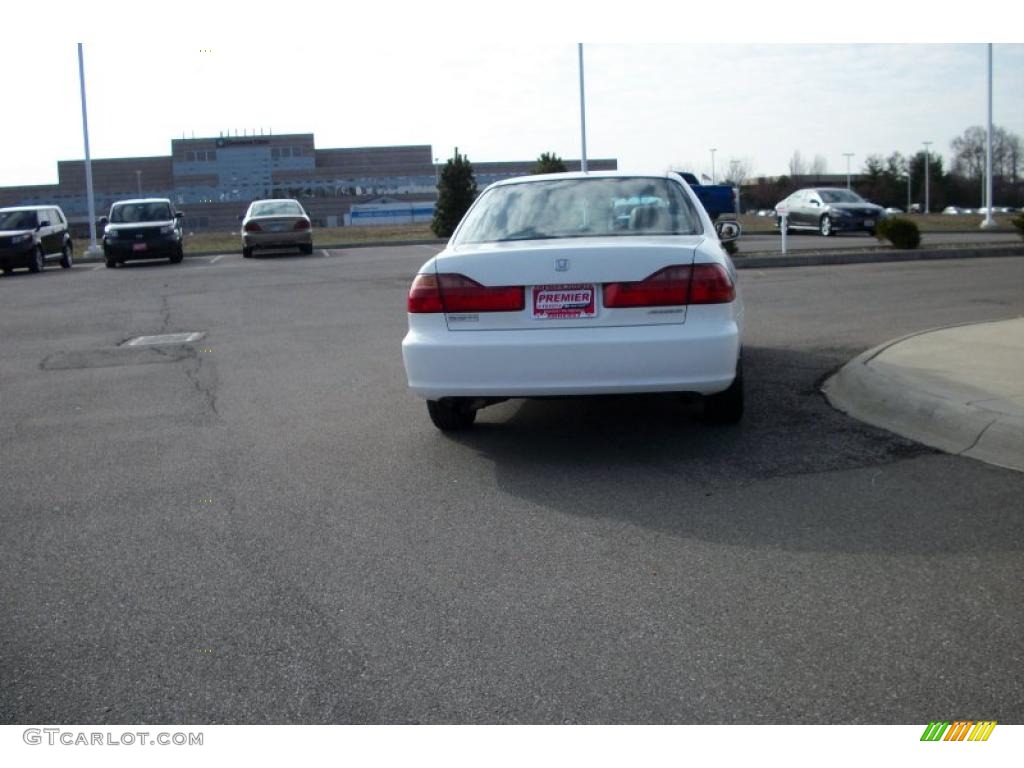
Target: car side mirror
[(179, 215), (104, 221), (241, 216), (728, 231)]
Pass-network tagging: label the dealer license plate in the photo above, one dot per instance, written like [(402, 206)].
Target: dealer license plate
[(564, 301), (138, 246)]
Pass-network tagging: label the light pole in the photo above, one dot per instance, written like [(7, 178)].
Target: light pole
[(713, 164), (847, 155), (437, 173), (927, 183), (908, 189), (988, 223), (733, 172), (93, 248), (138, 181), (583, 116)]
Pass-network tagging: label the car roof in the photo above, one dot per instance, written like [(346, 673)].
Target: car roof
[(585, 175), (28, 207), (143, 200)]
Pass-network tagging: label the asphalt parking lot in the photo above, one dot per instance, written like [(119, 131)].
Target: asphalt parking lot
[(263, 526)]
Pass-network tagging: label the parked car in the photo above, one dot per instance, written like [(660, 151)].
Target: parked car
[(276, 224), (541, 292), (149, 228), (829, 211), (32, 235)]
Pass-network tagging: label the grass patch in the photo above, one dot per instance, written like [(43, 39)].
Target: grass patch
[(229, 242)]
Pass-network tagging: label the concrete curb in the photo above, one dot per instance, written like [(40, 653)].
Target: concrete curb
[(83, 259), (877, 256), (898, 404), (742, 261)]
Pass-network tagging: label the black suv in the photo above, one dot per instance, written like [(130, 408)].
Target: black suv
[(142, 229), (29, 235)]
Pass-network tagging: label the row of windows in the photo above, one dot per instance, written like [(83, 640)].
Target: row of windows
[(276, 153), (201, 156)]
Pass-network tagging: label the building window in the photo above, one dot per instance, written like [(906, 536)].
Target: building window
[(190, 157), (275, 153)]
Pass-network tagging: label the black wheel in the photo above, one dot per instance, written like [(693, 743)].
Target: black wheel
[(246, 252), (178, 256), (306, 249), (66, 256), (726, 407), (825, 227), (38, 263), (451, 414), (109, 260), (871, 232), (7, 270)]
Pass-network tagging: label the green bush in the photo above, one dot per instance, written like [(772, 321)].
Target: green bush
[(902, 233), (1018, 222)]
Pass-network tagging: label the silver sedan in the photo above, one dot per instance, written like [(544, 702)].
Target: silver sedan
[(276, 224)]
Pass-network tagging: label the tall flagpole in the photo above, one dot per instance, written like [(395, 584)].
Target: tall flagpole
[(583, 116), (88, 160)]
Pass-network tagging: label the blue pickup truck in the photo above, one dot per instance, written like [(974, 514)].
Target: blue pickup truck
[(716, 199)]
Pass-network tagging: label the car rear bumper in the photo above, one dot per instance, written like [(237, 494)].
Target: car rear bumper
[(291, 239), (697, 356)]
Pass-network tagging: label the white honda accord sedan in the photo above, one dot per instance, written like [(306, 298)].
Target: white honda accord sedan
[(577, 284)]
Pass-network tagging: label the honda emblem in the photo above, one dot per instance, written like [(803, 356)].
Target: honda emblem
[(561, 265)]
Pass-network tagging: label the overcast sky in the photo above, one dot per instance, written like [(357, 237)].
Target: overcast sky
[(355, 79)]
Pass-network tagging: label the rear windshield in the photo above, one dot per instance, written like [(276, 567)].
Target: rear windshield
[(18, 220), (129, 213), (594, 207), (285, 208)]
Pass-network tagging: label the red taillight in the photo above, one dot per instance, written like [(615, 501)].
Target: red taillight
[(252, 226), (457, 293), (301, 224), (424, 295), (711, 284), (666, 287), (674, 286)]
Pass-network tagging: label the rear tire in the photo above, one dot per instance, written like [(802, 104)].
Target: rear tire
[(451, 414), (726, 407), (246, 253), (110, 261), (871, 232), (66, 256), (38, 263), (306, 249)]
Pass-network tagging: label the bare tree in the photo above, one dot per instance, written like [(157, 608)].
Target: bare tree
[(819, 166), (969, 152), (797, 166), (740, 169)]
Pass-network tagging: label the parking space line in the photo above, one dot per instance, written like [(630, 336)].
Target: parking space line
[(325, 254), (215, 259)]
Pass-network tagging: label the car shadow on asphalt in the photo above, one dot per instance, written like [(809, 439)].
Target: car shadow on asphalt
[(779, 478)]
